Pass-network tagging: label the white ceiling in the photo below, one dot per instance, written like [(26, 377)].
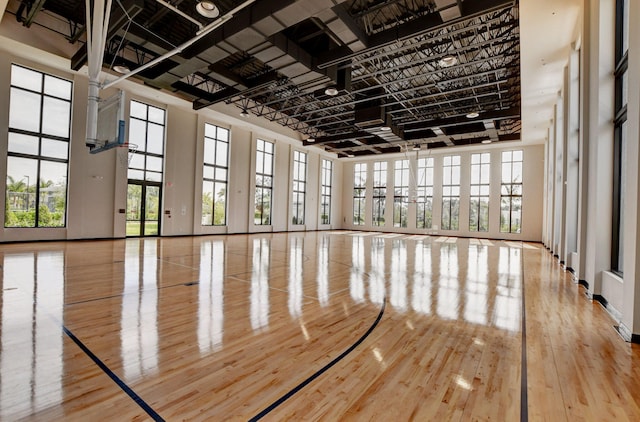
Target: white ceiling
[(547, 30)]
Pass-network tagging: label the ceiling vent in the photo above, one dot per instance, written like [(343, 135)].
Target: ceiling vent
[(368, 117)]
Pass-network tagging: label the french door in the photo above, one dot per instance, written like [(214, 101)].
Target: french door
[(143, 208)]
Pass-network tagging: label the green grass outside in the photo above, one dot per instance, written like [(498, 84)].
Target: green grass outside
[(133, 228)]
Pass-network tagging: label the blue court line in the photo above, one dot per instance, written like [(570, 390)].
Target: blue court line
[(114, 377), (524, 400), (96, 299), (322, 370)]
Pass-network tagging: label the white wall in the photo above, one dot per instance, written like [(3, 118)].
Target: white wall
[(593, 114), (532, 207), (178, 207)]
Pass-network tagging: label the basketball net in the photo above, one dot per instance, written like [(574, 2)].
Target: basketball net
[(125, 153)]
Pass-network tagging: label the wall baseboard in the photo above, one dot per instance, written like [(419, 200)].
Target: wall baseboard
[(626, 334)]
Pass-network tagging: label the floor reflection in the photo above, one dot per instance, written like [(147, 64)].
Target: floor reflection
[(475, 310), (509, 289), (358, 267), (421, 297), (323, 271), (139, 317), (398, 276), (295, 277), (32, 340), (448, 282), (242, 283), (211, 296), (260, 284), (475, 280), (377, 276)]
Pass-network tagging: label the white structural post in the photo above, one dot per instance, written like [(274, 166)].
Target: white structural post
[(97, 24)]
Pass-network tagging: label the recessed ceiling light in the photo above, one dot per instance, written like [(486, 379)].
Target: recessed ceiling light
[(207, 9), (473, 115), (447, 61), (486, 141), (332, 91)]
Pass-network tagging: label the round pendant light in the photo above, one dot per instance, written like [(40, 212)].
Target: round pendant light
[(207, 9)]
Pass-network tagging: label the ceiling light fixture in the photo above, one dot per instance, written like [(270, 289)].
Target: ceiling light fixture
[(473, 115), (121, 68), (486, 141), (332, 91), (244, 113), (448, 61), (207, 9), (385, 128), (311, 140), (416, 147)]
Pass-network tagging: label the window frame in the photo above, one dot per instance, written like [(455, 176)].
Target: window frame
[(38, 157), (264, 186), (401, 193), (146, 156), (299, 188), (216, 169), (424, 189), (359, 193), (621, 73), (480, 197), (379, 197), (453, 200), (326, 181), (507, 191)]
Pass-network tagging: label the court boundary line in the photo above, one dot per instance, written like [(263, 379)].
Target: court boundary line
[(322, 370), (524, 398), (123, 386)]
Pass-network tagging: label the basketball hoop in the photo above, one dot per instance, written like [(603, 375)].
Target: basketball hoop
[(125, 153)]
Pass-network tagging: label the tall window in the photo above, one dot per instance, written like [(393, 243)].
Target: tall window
[(479, 198), (146, 129), (379, 192), (401, 193), (264, 183), (325, 191), (620, 133), (215, 175), (424, 201), (359, 193), (299, 186), (38, 149), (451, 192), (511, 192)]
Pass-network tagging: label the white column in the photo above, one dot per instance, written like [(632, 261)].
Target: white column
[(598, 137), (630, 323), (558, 180), (572, 121), (551, 177)]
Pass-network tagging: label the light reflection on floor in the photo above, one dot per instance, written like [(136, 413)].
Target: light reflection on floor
[(423, 276)]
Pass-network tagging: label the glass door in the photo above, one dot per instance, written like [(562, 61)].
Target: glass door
[(143, 209)]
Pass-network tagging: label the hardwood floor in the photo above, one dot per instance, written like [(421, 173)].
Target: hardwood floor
[(304, 326)]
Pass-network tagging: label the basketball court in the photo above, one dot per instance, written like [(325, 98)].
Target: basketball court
[(338, 325)]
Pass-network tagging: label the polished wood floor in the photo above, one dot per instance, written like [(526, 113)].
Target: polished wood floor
[(305, 326)]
